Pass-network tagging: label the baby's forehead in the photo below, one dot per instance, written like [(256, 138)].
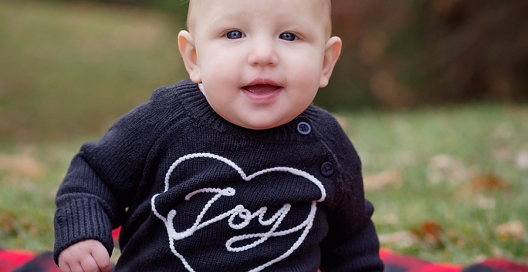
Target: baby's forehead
[(193, 2), (193, 13)]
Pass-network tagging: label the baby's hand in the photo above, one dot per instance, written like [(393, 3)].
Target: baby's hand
[(88, 256)]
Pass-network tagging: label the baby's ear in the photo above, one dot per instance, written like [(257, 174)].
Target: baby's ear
[(332, 52), (188, 53)]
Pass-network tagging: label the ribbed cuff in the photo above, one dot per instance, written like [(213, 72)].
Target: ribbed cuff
[(78, 220)]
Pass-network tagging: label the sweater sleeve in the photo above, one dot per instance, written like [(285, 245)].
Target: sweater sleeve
[(352, 243), (101, 180)]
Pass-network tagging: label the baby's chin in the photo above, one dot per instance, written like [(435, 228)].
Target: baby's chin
[(259, 124)]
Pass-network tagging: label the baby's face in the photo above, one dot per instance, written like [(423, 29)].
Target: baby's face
[(261, 62)]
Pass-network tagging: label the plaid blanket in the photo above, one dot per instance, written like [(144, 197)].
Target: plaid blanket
[(24, 261)]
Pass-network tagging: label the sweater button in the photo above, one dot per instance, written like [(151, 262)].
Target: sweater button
[(327, 169), (304, 128)]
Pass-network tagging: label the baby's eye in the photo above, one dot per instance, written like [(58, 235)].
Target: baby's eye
[(235, 34), (288, 36)]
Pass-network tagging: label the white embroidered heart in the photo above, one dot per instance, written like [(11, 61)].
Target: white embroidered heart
[(239, 212)]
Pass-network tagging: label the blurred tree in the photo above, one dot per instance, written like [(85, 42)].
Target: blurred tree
[(363, 76), (404, 53), (471, 50)]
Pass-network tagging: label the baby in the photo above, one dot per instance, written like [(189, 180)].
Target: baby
[(232, 170)]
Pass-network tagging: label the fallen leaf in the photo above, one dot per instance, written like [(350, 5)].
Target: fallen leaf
[(430, 233), (388, 219), (502, 153), (484, 202), (381, 180), (488, 182), (7, 222), (398, 239), (511, 231), (22, 165), (522, 160), (497, 252), (445, 168)]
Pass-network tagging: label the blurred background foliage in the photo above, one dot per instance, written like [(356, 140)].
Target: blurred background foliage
[(409, 53), (71, 67)]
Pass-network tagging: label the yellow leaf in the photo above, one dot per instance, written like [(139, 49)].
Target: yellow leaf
[(381, 180), (511, 231), (21, 165)]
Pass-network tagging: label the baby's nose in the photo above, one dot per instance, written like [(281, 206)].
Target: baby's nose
[(263, 53)]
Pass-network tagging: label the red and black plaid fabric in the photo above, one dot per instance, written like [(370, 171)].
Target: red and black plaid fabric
[(24, 261), (395, 262)]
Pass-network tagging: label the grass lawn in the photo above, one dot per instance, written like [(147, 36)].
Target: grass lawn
[(65, 69), (449, 184)]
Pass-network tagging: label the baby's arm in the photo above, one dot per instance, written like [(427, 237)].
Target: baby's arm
[(88, 255), (352, 243)]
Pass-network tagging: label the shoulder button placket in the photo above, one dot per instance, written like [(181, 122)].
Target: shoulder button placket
[(327, 169), (304, 128)]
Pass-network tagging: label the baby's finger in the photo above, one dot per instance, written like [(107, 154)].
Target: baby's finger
[(76, 267), (89, 265), (64, 267), (102, 259)]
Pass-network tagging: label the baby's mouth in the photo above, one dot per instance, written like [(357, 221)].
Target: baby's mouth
[(261, 89)]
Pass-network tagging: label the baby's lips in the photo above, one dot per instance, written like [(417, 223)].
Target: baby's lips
[(261, 88)]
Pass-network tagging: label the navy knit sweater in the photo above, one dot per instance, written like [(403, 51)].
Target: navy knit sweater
[(194, 192)]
